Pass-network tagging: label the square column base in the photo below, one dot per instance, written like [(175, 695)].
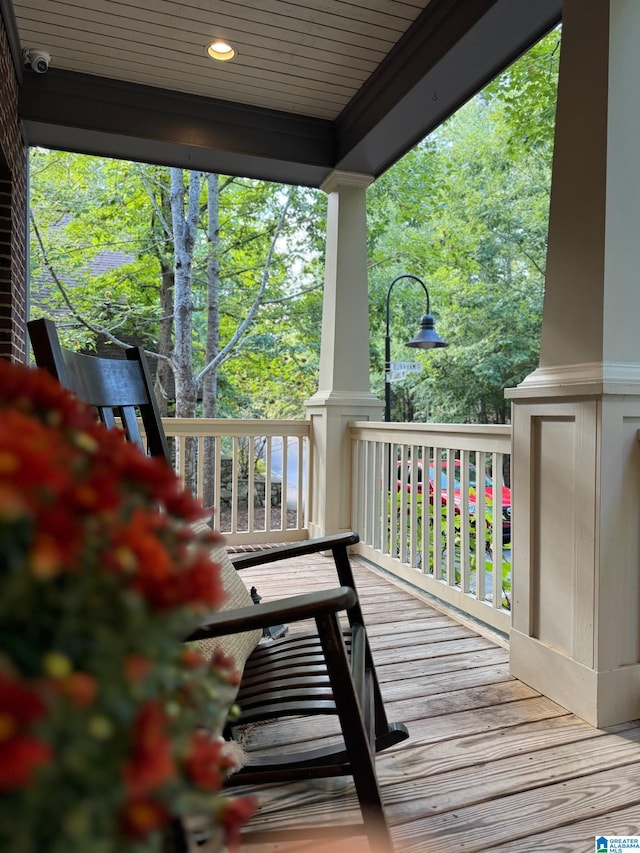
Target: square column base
[(576, 549), (330, 493), (600, 698)]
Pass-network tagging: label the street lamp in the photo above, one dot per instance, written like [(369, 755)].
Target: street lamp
[(426, 338)]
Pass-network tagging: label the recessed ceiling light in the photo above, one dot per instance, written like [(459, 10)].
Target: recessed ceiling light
[(221, 50)]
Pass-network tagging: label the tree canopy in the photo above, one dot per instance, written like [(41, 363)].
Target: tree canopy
[(467, 211), (104, 261), (230, 270)]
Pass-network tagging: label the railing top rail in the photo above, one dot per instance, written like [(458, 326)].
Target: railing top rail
[(470, 429), (233, 426), (487, 437)]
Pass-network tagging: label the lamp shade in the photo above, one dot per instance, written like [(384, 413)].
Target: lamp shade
[(427, 337)]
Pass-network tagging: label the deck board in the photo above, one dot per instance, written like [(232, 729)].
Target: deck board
[(490, 765)]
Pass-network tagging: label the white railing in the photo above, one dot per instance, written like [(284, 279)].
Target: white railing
[(404, 516), (255, 474), (252, 472)]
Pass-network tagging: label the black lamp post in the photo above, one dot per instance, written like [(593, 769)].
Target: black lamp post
[(426, 338)]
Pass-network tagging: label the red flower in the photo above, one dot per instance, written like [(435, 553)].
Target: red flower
[(235, 813), (21, 754), (137, 551), (202, 587), (225, 666), (36, 392), (151, 762), (20, 758), (80, 688), (142, 815), (191, 659), (18, 703), (31, 456), (206, 760), (97, 552), (137, 667)]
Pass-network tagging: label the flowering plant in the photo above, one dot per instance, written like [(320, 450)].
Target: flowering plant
[(101, 577)]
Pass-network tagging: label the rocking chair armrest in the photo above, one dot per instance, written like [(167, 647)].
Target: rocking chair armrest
[(294, 549), (292, 609)]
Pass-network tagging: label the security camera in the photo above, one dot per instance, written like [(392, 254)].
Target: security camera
[(37, 60)]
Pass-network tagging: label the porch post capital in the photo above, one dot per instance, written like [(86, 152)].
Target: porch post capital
[(339, 179)]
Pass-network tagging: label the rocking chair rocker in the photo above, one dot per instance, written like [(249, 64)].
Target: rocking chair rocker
[(327, 672)]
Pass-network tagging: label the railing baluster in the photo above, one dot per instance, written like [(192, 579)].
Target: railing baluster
[(400, 543), (200, 468), (300, 520), (437, 514), (378, 474), (425, 514), (251, 495), (285, 480), (481, 526), (451, 519), (267, 482), (465, 523), (498, 480), (413, 508), (218, 484)]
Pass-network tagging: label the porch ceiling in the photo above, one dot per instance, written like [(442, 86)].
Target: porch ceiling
[(317, 85)]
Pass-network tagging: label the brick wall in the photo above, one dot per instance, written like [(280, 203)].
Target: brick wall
[(13, 213)]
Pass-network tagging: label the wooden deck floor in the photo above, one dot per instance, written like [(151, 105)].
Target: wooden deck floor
[(490, 765)]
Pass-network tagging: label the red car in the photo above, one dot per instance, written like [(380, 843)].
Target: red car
[(488, 492)]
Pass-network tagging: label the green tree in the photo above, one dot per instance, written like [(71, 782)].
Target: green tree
[(467, 211), (136, 248)]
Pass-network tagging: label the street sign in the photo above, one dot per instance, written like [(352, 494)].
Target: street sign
[(400, 370)]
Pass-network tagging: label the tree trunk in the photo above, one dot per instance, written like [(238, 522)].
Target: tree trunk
[(164, 385), (210, 382), (185, 223), (164, 374)]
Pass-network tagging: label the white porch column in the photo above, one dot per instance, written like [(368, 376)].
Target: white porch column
[(576, 456), (343, 387)]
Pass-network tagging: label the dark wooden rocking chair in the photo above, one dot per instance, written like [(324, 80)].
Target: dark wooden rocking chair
[(329, 671)]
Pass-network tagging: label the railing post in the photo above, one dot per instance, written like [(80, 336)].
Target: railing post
[(344, 393)]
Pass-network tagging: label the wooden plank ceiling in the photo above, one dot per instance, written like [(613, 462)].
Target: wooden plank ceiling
[(308, 59), (316, 84)]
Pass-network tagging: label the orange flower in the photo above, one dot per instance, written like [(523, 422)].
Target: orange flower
[(46, 559)]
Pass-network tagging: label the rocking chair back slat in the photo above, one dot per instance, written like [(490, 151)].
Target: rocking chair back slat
[(119, 389)]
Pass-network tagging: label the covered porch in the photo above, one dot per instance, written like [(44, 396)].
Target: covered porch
[(574, 623)]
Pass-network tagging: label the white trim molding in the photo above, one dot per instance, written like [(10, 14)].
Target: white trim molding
[(345, 179), (580, 379)]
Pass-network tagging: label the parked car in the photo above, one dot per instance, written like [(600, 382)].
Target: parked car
[(457, 493)]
